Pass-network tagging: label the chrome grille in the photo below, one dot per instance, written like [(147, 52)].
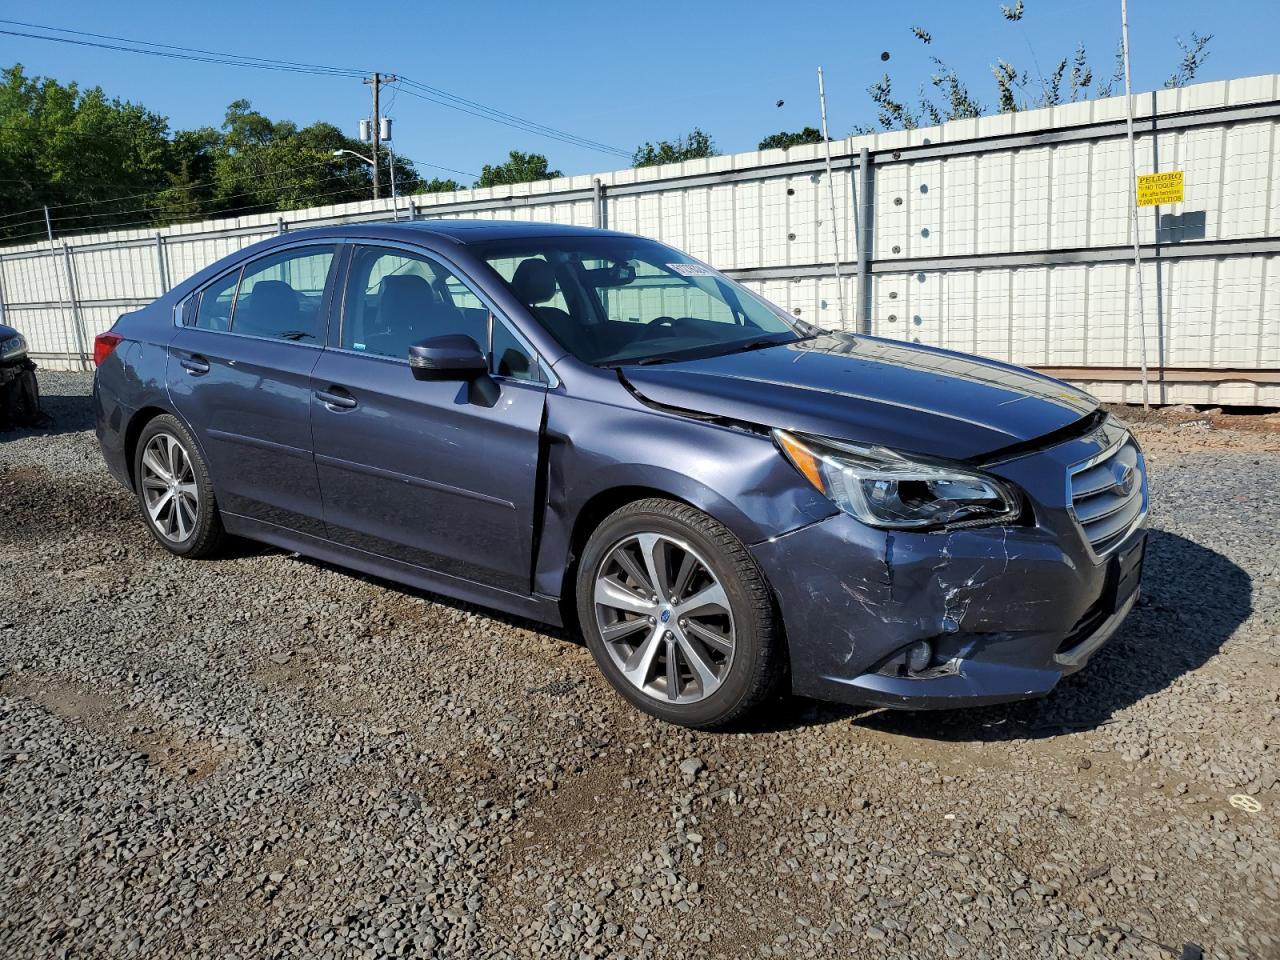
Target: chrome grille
[(1109, 494)]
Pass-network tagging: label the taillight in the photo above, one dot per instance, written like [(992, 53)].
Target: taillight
[(103, 344)]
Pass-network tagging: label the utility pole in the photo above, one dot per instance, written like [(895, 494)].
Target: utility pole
[(376, 81)]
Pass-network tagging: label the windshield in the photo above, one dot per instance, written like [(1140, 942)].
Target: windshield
[(620, 300)]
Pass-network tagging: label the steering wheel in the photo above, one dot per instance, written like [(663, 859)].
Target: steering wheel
[(659, 327)]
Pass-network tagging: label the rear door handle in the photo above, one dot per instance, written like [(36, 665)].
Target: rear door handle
[(195, 365), (335, 398)]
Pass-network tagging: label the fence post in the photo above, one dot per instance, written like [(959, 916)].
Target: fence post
[(413, 210), (280, 227), (863, 212), (160, 262), (2, 306), (598, 218), (76, 317)]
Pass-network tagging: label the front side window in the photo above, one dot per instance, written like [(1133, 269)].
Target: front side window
[(280, 296), (395, 298), (617, 300)]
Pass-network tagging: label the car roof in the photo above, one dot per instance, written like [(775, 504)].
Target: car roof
[(460, 231)]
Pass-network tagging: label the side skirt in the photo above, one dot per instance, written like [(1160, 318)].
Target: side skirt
[(535, 607)]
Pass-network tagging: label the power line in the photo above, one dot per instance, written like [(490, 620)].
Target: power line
[(429, 93)]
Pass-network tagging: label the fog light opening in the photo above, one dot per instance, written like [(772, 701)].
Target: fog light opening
[(916, 660), (919, 656)]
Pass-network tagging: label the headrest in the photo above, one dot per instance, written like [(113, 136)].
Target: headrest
[(534, 281)]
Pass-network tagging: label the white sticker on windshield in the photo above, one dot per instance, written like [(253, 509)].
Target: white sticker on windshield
[(691, 270)]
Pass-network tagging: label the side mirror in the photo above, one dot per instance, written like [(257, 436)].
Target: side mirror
[(452, 357)]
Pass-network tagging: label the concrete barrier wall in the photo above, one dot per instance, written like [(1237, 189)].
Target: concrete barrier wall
[(1007, 236)]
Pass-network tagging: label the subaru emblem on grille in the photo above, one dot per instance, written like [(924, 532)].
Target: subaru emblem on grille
[(1125, 476)]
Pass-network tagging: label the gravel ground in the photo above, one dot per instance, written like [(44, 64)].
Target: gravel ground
[(264, 756)]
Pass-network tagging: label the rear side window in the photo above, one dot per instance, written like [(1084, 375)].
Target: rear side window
[(395, 298), (214, 312), (280, 296)]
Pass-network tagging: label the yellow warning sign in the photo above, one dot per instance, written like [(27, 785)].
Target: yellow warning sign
[(1155, 189)]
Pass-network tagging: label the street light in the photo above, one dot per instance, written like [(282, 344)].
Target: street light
[(395, 204)]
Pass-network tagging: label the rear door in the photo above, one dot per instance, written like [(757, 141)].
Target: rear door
[(430, 473), (239, 371)]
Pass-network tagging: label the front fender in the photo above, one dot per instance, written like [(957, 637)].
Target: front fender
[(732, 473)]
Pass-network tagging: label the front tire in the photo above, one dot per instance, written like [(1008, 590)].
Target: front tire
[(678, 616), (174, 490)]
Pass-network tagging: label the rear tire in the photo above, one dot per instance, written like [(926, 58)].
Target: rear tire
[(678, 615), (174, 491)]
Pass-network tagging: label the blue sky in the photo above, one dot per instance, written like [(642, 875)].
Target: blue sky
[(619, 74)]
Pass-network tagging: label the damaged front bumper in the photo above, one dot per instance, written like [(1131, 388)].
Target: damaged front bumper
[(1005, 612)]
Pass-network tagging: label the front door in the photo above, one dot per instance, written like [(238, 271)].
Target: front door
[(433, 473), (239, 372)]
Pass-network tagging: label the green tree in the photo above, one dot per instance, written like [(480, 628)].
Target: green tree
[(519, 168), (695, 146), (62, 145), (785, 139)]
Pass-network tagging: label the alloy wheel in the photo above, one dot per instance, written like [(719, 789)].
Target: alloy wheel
[(664, 617), (169, 489)]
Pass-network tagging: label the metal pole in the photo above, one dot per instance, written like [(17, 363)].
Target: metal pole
[(81, 336), (831, 189), (377, 85), (391, 163), (862, 230), (68, 328), (1133, 201), (597, 204), (160, 263)]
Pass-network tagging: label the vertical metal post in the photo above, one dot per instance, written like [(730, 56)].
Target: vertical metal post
[(597, 204), (68, 325), (279, 225), (2, 307), (161, 264), (395, 199), (862, 230), (77, 318), (831, 189), (1133, 201)]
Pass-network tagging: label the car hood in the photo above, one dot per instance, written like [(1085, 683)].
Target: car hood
[(905, 396)]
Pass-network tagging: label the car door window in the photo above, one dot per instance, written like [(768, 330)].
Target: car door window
[(511, 358), (214, 312), (395, 298), (280, 296)]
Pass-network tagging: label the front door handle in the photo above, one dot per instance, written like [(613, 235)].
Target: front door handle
[(195, 365), (335, 398)]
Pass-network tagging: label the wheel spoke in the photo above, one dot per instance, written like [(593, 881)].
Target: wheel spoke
[(688, 564), (610, 593), (637, 667), (158, 504), (673, 671), (623, 628), (654, 550), (188, 490), (716, 641), (633, 570), (151, 460), (708, 679), (711, 596), (175, 458), (154, 482)]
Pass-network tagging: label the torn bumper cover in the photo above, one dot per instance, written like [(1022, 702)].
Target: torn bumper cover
[(1003, 612)]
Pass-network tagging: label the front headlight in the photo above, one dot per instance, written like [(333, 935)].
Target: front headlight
[(12, 347), (884, 488)]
